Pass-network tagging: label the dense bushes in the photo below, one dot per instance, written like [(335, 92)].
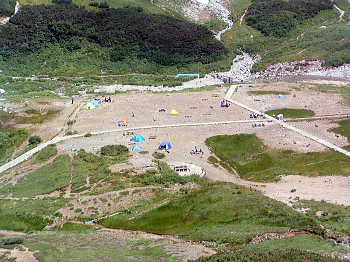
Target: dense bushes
[(114, 150), (62, 2), (34, 140), (127, 32), (7, 7), (279, 18)]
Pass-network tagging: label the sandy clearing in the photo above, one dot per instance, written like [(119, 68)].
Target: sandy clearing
[(332, 189)]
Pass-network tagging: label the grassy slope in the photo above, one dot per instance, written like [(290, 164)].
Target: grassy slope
[(253, 161), (335, 217), (276, 255), (95, 247), (15, 138), (28, 215), (309, 41), (302, 242), (217, 212), (44, 180)]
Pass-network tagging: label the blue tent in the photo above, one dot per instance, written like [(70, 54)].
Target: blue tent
[(165, 145), (137, 148), (280, 96), (138, 138), (95, 103)]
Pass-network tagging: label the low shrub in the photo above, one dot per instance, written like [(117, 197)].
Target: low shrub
[(114, 150), (158, 155), (34, 140), (10, 242)]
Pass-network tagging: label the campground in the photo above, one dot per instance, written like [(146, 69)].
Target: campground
[(104, 176)]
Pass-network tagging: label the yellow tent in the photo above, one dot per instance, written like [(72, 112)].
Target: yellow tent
[(174, 112), (89, 106)]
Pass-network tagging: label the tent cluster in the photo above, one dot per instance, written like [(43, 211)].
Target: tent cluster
[(92, 105), (123, 122), (97, 102), (137, 139), (166, 145)]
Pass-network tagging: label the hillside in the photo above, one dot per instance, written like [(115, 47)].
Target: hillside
[(317, 33), (7, 7)]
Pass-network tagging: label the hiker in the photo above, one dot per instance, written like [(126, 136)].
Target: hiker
[(72, 100), (132, 114)]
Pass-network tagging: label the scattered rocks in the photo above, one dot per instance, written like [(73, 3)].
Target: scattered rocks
[(275, 236)]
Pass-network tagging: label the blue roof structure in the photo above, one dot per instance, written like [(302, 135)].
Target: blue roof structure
[(138, 138)]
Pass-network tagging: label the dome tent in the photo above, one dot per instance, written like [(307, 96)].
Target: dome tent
[(166, 145), (138, 138), (137, 148), (95, 103), (174, 112)]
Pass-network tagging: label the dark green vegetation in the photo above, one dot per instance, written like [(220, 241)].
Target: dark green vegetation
[(217, 212), (111, 38), (279, 18), (34, 140), (266, 92), (291, 112), (46, 153), (7, 7), (114, 150), (344, 128), (333, 217), (28, 215), (247, 155), (261, 255), (158, 155)]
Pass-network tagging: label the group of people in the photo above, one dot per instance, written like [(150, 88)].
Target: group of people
[(104, 99), (196, 151), (224, 103), (254, 115), (258, 125)]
